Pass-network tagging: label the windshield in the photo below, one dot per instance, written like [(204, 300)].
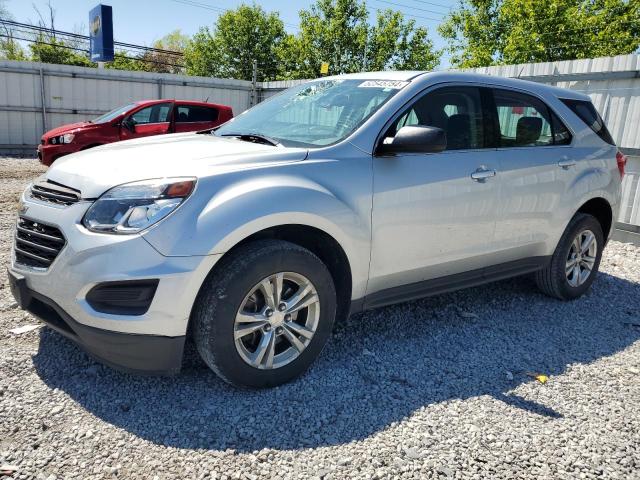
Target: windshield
[(314, 114), (107, 117)]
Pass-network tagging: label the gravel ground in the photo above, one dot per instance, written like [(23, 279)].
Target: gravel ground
[(437, 388)]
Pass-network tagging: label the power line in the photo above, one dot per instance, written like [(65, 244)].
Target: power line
[(448, 7), (206, 6), (78, 49), (375, 9), (79, 36), (584, 29), (542, 49), (23, 31), (395, 4)]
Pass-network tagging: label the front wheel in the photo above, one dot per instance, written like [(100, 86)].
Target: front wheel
[(574, 264), (264, 314)]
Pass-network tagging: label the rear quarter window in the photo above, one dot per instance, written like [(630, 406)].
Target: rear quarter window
[(590, 116)]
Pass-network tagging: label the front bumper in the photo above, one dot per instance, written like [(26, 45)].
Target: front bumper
[(58, 294), (48, 153), (149, 354)]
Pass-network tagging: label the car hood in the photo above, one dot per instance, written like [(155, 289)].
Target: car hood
[(66, 128), (96, 170)]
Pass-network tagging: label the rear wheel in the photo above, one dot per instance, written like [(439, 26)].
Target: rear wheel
[(264, 314), (575, 262)]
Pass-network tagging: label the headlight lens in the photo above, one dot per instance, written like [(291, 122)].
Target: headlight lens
[(132, 207), (66, 138)]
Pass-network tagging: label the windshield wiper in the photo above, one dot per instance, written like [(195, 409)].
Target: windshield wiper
[(254, 138)]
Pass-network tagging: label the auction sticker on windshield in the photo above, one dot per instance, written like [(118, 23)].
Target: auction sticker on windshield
[(394, 84)]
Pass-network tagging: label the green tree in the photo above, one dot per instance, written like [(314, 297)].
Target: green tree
[(48, 49), (397, 44), (473, 32), (338, 32), (124, 61), (487, 32), (10, 49), (332, 31), (238, 37), (165, 62)]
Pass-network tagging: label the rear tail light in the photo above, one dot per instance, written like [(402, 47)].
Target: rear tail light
[(622, 161)]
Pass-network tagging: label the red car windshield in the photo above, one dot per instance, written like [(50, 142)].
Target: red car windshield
[(107, 117)]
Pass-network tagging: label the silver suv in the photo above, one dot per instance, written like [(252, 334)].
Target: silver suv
[(338, 195)]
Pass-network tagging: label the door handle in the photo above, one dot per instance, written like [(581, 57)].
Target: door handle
[(566, 163), (481, 174)]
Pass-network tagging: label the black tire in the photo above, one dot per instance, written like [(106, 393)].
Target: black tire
[(552, 279), (223, 292)]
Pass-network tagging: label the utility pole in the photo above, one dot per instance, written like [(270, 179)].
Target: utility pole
[(254, 84)]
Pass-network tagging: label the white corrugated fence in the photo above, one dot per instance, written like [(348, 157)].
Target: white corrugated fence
[(35, 97)]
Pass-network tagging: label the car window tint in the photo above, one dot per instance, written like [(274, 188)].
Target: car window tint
[(192, 113), (456, 110), (561, 134), (158, 113), (142, 116), (524, 120), (589, 115), (163, 113)]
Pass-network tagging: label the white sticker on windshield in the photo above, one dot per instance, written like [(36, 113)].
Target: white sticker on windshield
[(394, 84)]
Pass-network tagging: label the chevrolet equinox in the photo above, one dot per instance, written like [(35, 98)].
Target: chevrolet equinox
[(340, 194)]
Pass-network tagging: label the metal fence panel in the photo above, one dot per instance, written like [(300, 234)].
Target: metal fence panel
[(73, 94)]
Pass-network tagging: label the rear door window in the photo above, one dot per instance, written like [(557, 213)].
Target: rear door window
[(195, 113), (589, 115), (526, 121)]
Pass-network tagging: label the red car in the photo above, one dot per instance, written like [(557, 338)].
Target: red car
[(139, 119)]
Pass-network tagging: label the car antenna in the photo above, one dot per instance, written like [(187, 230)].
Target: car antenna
[(207, 100)]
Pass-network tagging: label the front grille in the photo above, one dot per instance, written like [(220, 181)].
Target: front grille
[(51, 192), (37, 245)]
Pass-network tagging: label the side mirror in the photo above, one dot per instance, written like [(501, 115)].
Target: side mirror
[(129, 123), (415, 139)]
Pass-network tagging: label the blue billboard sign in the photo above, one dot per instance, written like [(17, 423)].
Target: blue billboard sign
[(101, 33)]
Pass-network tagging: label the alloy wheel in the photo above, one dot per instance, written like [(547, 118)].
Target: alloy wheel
[(581, 258), (276, 320)]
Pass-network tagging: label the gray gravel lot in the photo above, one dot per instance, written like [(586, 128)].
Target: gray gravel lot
[(436, 388)]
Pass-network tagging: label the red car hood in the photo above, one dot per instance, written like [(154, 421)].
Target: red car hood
[(66, 129)]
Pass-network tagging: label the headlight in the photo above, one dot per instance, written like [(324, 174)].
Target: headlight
[(133, 207), (66, 138)]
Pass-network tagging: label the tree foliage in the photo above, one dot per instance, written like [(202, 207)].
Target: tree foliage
[(122, 60), (338, 32), (165, 62), (342, 34), (487, 32), (332, 31), (48, 49), (397, 44), (238, 38), (10, 49)]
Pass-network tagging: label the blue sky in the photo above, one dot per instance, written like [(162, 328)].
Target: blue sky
[(143, 21)]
